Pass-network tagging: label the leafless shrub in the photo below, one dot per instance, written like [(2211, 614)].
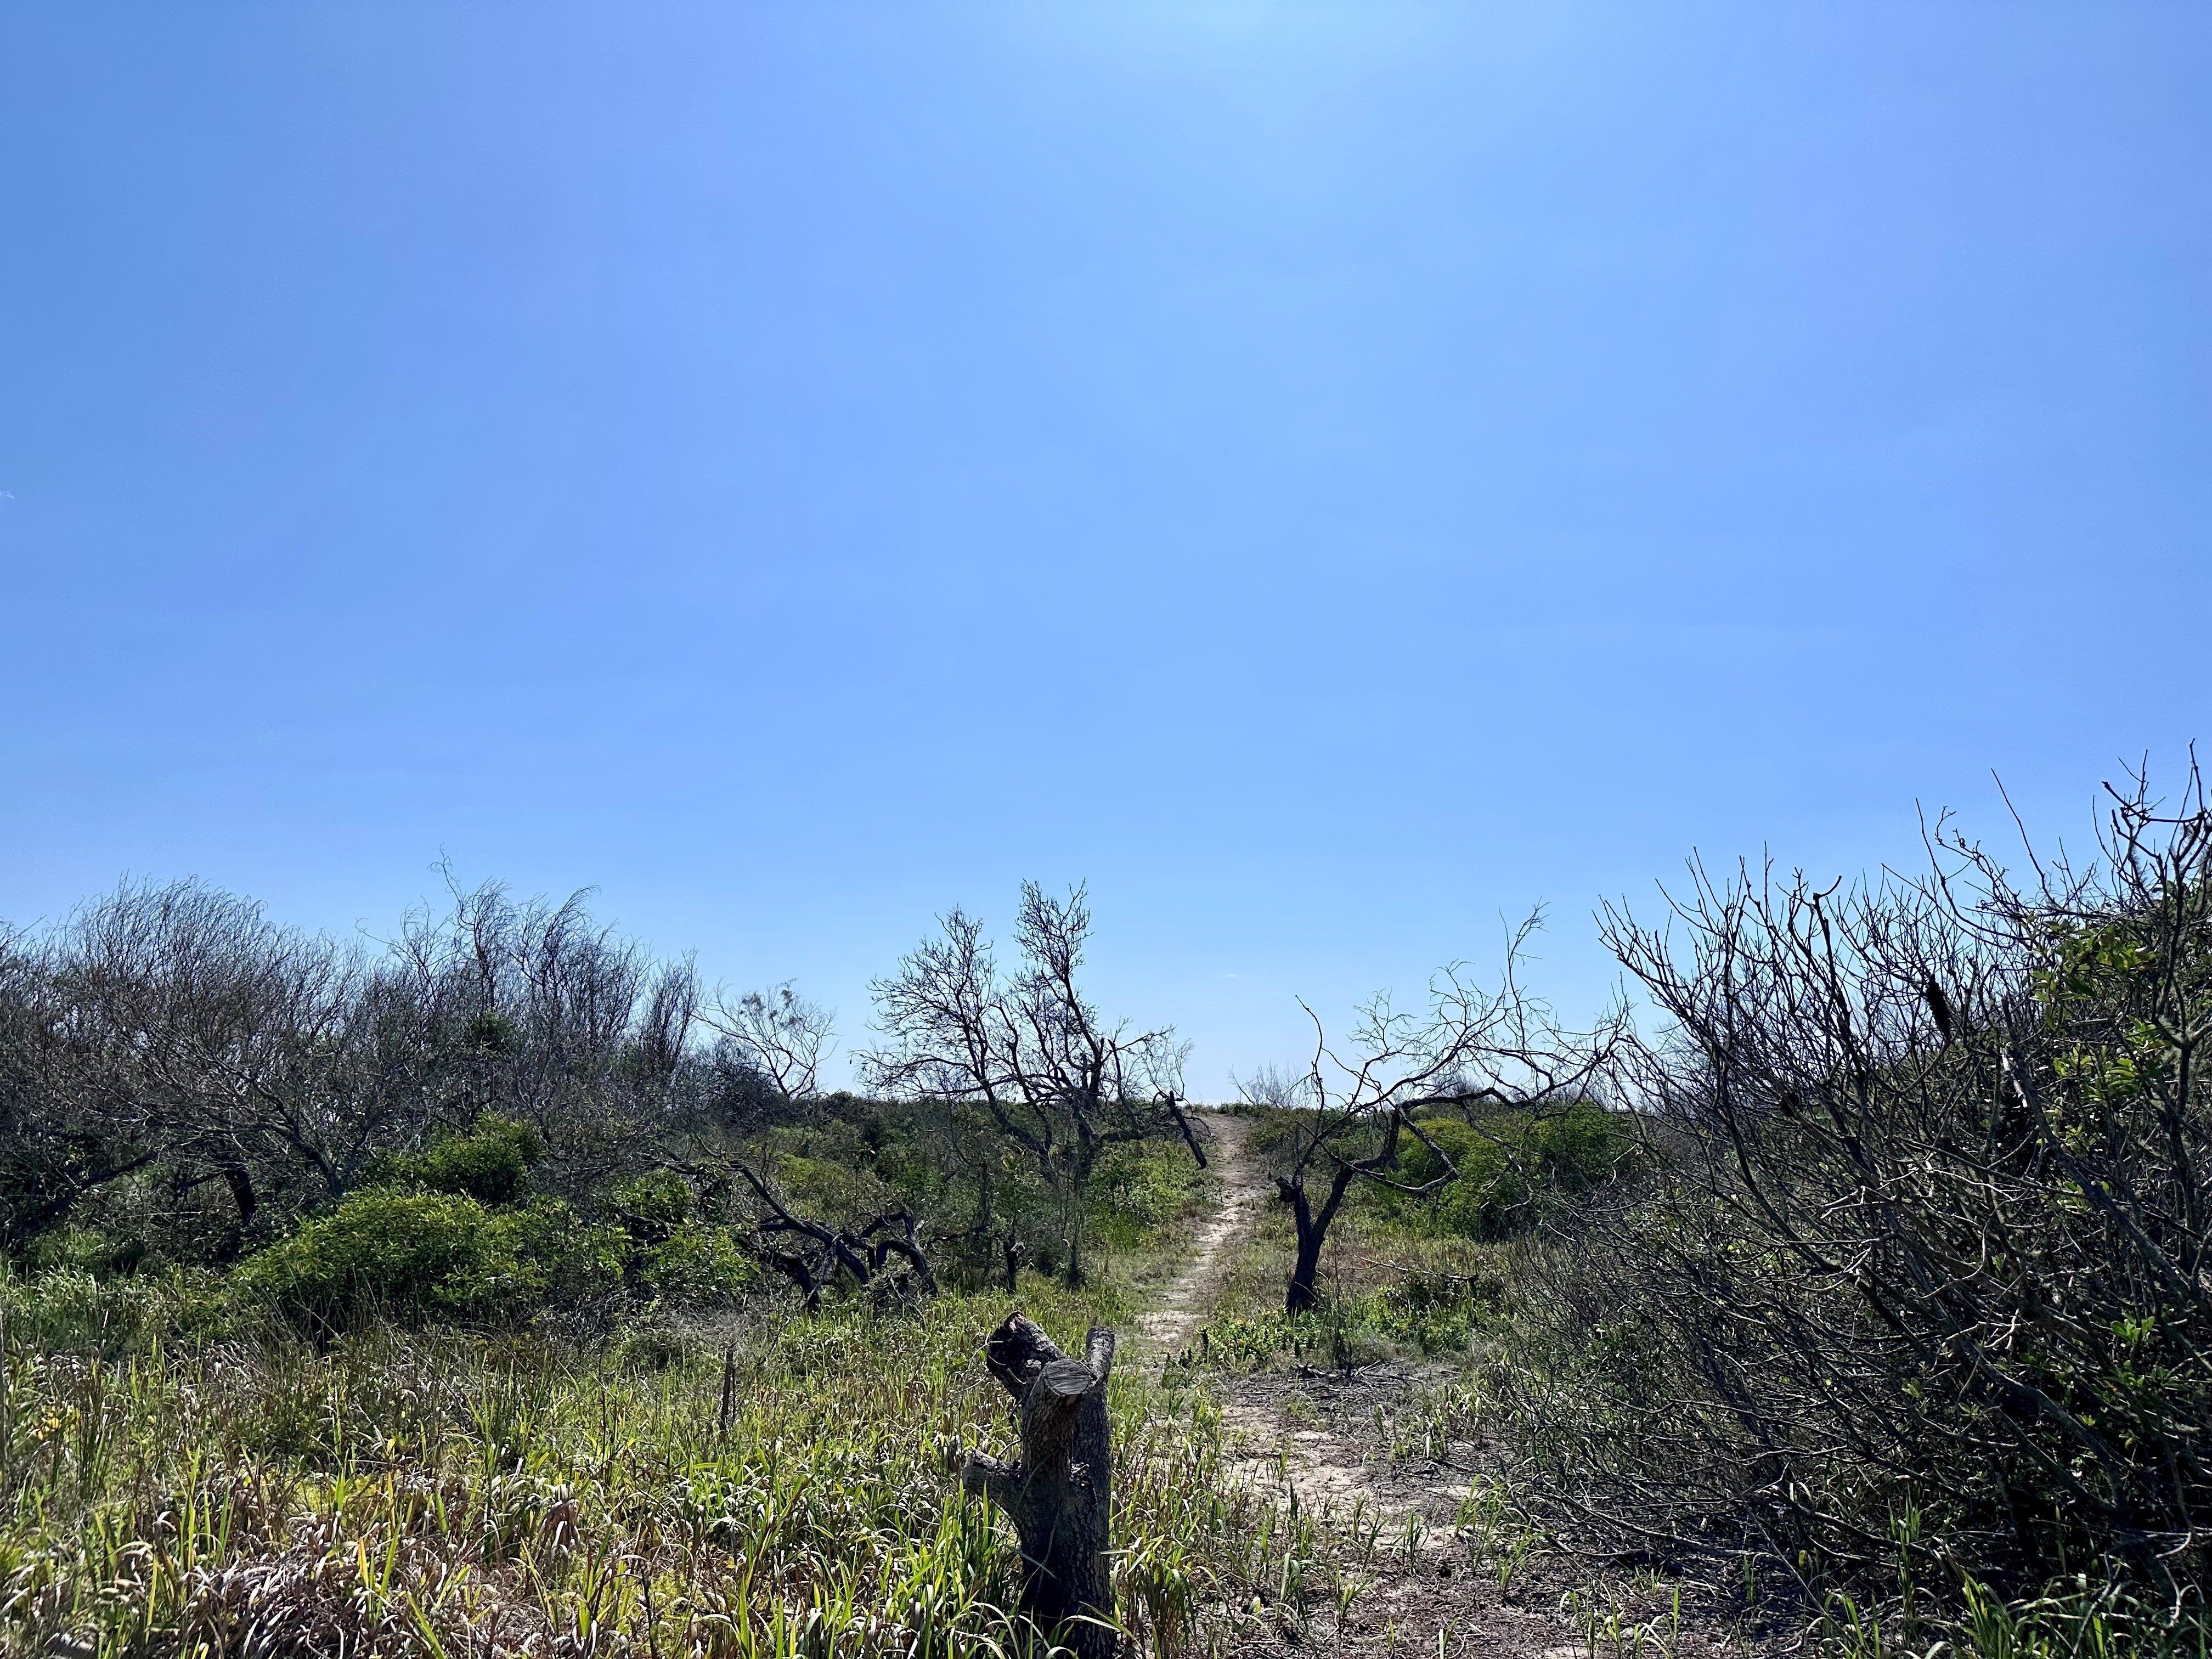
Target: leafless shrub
[(175, 1067), (1920, 1287)]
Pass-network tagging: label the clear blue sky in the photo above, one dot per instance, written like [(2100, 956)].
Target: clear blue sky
[(1331, 476)]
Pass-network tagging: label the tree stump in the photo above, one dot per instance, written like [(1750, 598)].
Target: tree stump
[(1060, 1495)]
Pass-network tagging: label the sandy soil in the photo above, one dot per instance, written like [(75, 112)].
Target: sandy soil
[(1167, 1330)]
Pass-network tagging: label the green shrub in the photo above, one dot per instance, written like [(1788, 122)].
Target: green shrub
[(72, 1310), (490, 1163), (88, 1250), (652, 1207), (1435, 1312), (1137, 1190), (429, 1253), (698, 1266), (1510, 1163), (650, 1345)]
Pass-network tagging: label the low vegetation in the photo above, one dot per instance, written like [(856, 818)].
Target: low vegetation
[(504, 1290), (1914, 1296), (778, 1484)]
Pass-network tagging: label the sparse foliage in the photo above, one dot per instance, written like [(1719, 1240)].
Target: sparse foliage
[(1029, 1050)]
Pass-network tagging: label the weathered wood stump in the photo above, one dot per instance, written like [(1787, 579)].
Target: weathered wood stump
[(1059, 1496)]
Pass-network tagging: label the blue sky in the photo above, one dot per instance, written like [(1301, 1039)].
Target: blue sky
[(1332, 477)]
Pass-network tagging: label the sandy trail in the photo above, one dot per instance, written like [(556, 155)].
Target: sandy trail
[(1285, 1429), (1328, 1469), (1324, 1441), (1167, 1330)]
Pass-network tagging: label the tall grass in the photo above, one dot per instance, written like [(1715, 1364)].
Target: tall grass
[(439, 1494)]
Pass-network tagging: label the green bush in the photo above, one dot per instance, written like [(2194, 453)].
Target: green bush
[(490, 1163), (698, 1266), (430, 1253), (1438, 1313), (89, 1249), (1137, 1190), (652, 1207), (73, 1310), (1510, 1163)]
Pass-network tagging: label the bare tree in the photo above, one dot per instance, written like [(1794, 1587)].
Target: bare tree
[(225, 1041), (171, 1052), (68, 1124), (1350, 1110), (778, 1034), (779, 1040), (534, 1012), (1055, 1078)]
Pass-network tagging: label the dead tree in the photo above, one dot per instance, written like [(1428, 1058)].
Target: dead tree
[(1349, 1112), (1054, 1078), (779, 1036), (905, 1243), (1060, 1495), (861, 1253), (781, 1039)]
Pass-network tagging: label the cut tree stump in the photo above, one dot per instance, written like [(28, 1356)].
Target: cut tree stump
[(1060, 1495)]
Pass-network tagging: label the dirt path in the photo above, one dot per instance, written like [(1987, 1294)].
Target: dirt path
[(1167, 1330), (1324, 1434), (1323, 1440), (1417, 1574), (1312, 1431)]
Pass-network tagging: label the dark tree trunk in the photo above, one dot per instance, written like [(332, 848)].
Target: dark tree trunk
[(1074, 1279), (241, 1194), (1012, 1250), (1059, 1496), (798, 1271), (1305, 1266), (248, 1201), (1304, 1293)]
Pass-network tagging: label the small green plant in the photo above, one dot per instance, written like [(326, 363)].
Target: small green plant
[(1415, 1528), (1495, 1533), (1609, 1633), (1348, 1589)]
